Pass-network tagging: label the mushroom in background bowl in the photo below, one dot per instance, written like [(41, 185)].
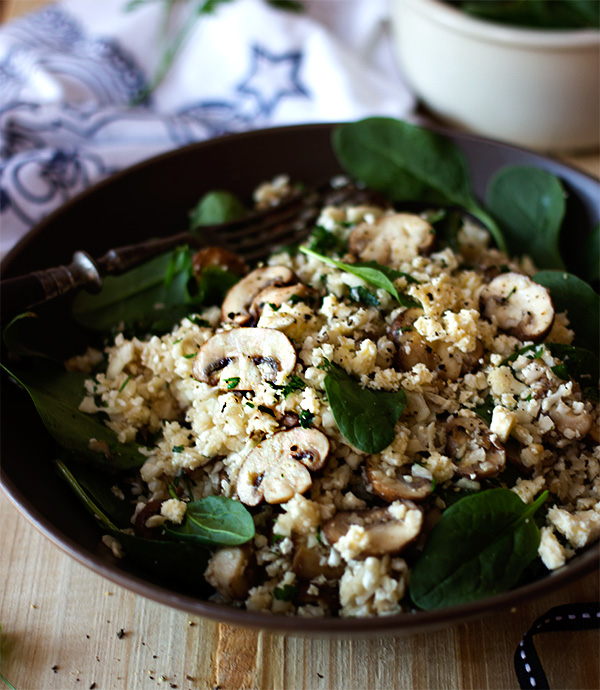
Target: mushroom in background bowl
[(533, 87)]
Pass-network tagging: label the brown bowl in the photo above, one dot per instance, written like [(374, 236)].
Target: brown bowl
[(153, 198)]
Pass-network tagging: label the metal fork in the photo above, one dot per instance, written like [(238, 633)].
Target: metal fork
[(252, 237)]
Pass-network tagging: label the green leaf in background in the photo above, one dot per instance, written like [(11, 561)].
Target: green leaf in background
[(591, 255), (215, 207), (409, 163), (153, 296), (366, 418), (372, 273), (529, 203), (215, 520), (579, 364), (56, 394), (163, 558), (574, 296), (480, 547)]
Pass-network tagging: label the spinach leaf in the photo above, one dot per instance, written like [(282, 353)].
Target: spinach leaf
[(578, 299), (579, 364), (591, 255), (163, 558), (218, 206), (529, 204), (363, 296), (480, 547), (371, 272), (366, 418), (153, 296), (214, 520), (486, 409), (323, 241), (409, 163), (56, 394)]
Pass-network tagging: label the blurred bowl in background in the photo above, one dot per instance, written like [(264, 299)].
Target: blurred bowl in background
[(535, 88)]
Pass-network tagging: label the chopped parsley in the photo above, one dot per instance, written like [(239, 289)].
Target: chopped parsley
[(124, 384), (178, 449), (294, 383), (285, 593), (361, 295), (306, 418), (232, 382), (324, 242), (192, 354), (266, 410)]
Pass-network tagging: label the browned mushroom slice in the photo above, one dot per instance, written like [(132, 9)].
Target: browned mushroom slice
[(475, 450), (211, 257), (387, 530), (394, 483), (230, 571), (236, 305), (412, 348), (278, 468), (276, 296), (392, 240), (518, 305), (567, 420), (307, 565), (245, 356)]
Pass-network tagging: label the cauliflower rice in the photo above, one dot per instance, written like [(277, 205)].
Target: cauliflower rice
[(451, 356)]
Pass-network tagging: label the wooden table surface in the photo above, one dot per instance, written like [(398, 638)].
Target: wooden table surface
[(63, 626)]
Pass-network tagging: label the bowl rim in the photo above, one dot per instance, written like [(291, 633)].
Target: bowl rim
[(482, 31), (395, 625)]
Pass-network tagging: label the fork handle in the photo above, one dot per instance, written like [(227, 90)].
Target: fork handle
[(23, 292)]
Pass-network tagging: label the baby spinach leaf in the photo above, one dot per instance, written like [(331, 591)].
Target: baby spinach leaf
[(214, 520), (409, 163), (363, 296), (323, 241), (579, 364), (153, 296), (218, 206), (480, 547), (163, 558), (574, 296), (56, 394), (529, 204), (371, 272), (366, 418)]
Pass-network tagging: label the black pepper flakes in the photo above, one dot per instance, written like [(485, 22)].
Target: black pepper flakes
[(93, 686), (121, 634), (55, 668)]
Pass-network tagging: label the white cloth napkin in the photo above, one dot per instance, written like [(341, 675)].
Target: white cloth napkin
[(72, 73)]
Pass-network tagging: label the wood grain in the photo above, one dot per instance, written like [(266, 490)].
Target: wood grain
[(63, 626)]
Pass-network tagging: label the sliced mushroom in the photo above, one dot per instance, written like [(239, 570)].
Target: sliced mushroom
[(307, 564), (566, 419), (412, 348), (276, 296), (278, 468), (220, 258), (518, 305), (392, 239), (394, 483), (386, 532), (236, 305), (475, 450), (245, 356), (230, 571)]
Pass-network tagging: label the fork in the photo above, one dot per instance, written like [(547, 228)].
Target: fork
[(252, 237)]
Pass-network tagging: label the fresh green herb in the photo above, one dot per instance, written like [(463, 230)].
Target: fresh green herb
[(124, 384), (574, 296), (372, 273), (366, 418), (215, 520), (561, 371), (177, 341), (363, 296), (285, 593), (232, 382), (274, 307), (537, 14), (517, 353), (295, 299), (201, 323), (409, 163), (579, 364), (323, 241), (178, 449), (480, 547), (294, 383), (249, 404), (56, 394), (190, 356), (277, 538), (486, 410), (216, 207), (529, 204), (266, 410), (306, 419)]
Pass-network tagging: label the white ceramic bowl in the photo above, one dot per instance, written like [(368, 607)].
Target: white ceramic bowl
[(533, 88)]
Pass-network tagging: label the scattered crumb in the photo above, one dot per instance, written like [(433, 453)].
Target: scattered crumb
[(55, 668), (92, 686), (121, 634)]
